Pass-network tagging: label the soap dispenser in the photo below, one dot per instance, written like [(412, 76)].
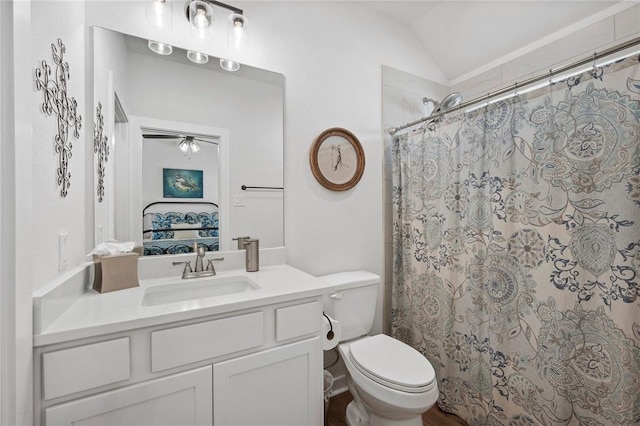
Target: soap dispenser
[(252, 248), (241, 241)]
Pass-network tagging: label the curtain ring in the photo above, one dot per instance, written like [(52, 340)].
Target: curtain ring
[(596, 72)]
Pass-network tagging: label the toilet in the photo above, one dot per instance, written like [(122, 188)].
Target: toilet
[(392, 383)]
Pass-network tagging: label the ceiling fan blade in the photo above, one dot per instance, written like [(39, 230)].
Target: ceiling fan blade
[(201, 140), (161, 136)]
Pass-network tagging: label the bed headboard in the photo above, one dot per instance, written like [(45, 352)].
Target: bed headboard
[(188, 219)]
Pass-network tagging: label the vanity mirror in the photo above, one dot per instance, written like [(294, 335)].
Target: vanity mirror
[(185, 139)]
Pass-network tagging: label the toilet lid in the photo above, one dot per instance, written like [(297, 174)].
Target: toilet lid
[(392, 363)]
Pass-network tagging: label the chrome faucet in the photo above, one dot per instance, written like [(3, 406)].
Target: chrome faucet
[(199, 271), (200, 251), (187, 271)]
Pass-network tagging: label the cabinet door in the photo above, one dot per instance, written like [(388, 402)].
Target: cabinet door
[(182, 399), (280, 386)]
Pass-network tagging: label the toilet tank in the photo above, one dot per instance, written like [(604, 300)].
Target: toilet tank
[(353, 302)]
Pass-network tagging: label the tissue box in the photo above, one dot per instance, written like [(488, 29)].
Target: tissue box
[(115, 272)]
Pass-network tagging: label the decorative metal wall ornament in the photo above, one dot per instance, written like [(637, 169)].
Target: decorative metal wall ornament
[(65, 108), (100, 147)]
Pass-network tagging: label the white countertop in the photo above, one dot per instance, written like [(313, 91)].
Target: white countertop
[(94, 314)]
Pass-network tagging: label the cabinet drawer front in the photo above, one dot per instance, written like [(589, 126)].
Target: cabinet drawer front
[(85, 367), (181, 399), (191, 343), (297, 321)]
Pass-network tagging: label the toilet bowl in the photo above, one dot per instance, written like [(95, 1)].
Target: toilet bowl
[(392, 383)]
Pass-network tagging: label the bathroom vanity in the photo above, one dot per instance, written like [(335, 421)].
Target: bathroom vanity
[(162, 354)]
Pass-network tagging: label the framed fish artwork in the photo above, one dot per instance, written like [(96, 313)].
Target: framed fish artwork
[(181, 183)]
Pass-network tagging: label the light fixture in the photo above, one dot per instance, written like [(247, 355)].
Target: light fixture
[(237, 23), (188, 146), (197, 57), (159, 14), (200, 14), (160, 48), (229, 65)]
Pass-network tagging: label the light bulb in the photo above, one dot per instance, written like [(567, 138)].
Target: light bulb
[(158, 14), (237, 28), (158, 6), (200, 21)]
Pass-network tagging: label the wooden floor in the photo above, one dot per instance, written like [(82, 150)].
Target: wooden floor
[(433, 417)]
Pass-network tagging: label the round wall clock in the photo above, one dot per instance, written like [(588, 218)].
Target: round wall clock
[(337, 159)]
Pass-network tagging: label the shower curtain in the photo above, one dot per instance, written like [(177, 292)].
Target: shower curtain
[(516, 268)]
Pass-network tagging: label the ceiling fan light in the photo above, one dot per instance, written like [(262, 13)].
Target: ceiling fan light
[(184, 146), (195, 147)]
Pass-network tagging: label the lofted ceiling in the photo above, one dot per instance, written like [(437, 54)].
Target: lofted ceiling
[(463, 36)]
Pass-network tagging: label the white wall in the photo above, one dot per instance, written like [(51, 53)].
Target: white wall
[(16, 208), (53, 214), (5, 177), (590, 35)]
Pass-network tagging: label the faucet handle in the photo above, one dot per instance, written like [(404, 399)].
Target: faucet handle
[(210, 266), (187, 265)]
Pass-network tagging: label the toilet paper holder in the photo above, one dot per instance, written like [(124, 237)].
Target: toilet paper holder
[(330, 333)]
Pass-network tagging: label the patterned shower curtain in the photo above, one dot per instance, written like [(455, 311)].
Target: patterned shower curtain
[(517, 254)]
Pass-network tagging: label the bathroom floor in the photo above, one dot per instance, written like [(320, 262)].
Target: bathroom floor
[(433, 417)]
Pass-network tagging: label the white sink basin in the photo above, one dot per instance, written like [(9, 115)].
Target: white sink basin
[(197, 288)]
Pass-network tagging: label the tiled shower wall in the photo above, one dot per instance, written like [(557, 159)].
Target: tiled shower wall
[(402, 94)]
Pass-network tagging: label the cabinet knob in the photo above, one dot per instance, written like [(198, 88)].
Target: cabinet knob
[(336, 296)]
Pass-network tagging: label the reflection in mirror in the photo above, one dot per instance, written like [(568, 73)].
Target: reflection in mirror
[(187, 166), (238, 115)]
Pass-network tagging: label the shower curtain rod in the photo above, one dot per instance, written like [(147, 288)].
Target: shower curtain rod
[(521, 84)]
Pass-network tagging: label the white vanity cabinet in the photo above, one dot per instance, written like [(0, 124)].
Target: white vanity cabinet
[(179, 399), (275, 387), (260, 366)]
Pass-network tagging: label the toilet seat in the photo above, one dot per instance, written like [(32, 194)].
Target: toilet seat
[(392, 363)]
